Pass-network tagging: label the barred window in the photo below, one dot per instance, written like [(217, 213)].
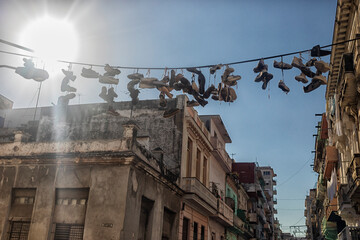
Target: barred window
[(69, 231), (19, 230)]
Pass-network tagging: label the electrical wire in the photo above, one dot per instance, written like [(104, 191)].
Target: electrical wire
[(169, 68)]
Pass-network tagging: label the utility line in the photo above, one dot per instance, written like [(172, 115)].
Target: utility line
[(16, 45), (167, 68)]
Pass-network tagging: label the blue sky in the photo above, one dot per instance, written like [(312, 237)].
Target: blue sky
[(266, 126)]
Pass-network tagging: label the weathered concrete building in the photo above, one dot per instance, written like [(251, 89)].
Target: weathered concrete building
[(82, 173)]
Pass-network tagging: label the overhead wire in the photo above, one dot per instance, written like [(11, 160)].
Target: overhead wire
[(163, 68)]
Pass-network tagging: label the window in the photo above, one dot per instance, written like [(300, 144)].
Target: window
[(195, 235), (69, 231), (185, 229), (69, 213), (267, 173), (22, 203), (202, 233), (19, 230), (189, 158), (204, 171), (168, 222), (146, 209), (198, 164)]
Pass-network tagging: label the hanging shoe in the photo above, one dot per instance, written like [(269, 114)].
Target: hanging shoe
[(321, 79), (135, 76), (171, 112), (89, 73), (108, 80), (147, 82), (232, 94), (307, 71), (184, 81), (134, 96), (110, 71), (232, 80), (225, 94), (172, 78), (65, 86), (208, 91), (316, 51), (30, 72), (226, 73), (283, 87), (261, 66), (214, 68), (163, 102), (69, 74), (311, 62), (261, 76), (166, 91), (103, 94), (201, 79), (200, 100), (194, 86), (297, 62), (282, 65), (192, 103), (322, 66), (112, 94), (301, 78), (312, 86), (266, 80)]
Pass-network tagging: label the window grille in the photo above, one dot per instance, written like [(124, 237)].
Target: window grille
[(69, 232), (19, 230)]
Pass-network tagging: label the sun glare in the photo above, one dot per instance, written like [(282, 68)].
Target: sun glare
[(51, 39)]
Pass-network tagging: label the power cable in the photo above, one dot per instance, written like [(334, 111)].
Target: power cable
[(169, 68), (293, 175), (16, 45)]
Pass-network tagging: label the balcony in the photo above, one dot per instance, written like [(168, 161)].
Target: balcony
[(353, 175), (198, 194), (274, 182), (267, 227), (274, 192), (261, 214), (224, 215), (275, 201), (220, 153), (275, 211), (252, 217)]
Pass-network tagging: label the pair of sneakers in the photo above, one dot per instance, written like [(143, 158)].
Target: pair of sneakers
[(108, 95), (263, 76), (65, 87), (30, 72)]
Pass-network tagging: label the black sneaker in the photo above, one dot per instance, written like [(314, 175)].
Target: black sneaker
[(307, 71), (312, 86), (261, 76), (261, 66), (267, 78), (316, 51), (283, 87), (208, 91)]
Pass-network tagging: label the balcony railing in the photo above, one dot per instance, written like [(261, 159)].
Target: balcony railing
[(193, 185), (274, 192), (224, 213), (353, 175)]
